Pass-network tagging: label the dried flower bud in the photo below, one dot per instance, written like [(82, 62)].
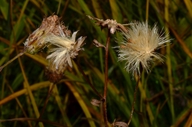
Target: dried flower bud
[(97, 44), (53, 75), (139, 47), (38, 39), (95, 102), (119, 124), (110, 24)]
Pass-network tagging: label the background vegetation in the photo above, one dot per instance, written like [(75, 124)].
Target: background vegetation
[(164, 96)]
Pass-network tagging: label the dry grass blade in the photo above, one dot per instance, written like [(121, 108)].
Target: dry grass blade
[(181, 42), (10, 61), (21, 107), (62, 107), (189, 121), (31, 96), (81, 103), (33, 119), (24, 91), (182, 118), (188, 4)]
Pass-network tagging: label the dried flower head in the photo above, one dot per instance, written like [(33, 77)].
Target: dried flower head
[(38, 39), (119, 124), (139, 47), (65, 49), (110, 24)]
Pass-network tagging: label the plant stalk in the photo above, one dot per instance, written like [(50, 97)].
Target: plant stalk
[(106, 79), (134, 99)]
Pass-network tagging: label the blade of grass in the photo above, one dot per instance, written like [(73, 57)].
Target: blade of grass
[(20, 23), (26, 84), (59, 6), (101, 35), (188, 4), (182, 117), (20, 105), (61, 106), (38, 58), (88, 12), (97, 8), (116, 13), (147, 10), (54, 124), (189, 121), (168, 61), (85, 7), (182, 43), (144, 97), (4, 8), (82, 104), (24, 91)]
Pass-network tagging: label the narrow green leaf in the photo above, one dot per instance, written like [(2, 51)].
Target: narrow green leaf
[(4, 6)]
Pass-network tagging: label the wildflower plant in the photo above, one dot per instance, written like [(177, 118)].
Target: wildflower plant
[(138, 50), (114, 75)]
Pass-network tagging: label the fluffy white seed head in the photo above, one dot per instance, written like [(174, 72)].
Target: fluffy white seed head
[(138, 48)]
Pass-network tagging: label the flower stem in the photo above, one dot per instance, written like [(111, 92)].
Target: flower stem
[(134, 99), (106, 79)]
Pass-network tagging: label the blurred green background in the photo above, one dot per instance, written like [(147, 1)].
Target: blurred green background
[(164, 97)]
